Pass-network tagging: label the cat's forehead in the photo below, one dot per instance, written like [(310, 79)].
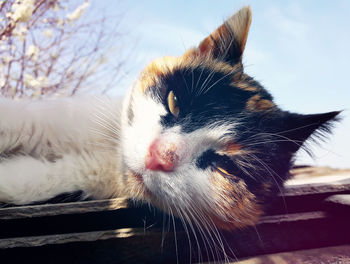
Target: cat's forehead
[(167, 65), (205, 81)]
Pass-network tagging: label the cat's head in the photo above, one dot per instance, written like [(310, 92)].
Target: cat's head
[(205, 141)]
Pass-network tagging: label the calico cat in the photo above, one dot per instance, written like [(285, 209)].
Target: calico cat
[(195, 136)]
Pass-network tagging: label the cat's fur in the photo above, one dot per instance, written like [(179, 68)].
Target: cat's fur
[(216, 157)]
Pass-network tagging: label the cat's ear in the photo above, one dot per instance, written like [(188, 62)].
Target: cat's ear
[(297, 128), (228, 41)]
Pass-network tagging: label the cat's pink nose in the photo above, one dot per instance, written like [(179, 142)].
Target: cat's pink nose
[(161, 156)]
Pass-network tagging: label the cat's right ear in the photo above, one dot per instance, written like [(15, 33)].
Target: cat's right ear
[(298, 128), (228, 41)]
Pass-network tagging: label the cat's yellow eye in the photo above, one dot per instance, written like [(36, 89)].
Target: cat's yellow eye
[(221, 170), (173, 104)]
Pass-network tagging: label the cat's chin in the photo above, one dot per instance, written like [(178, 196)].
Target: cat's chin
[(135, 186), (227, 214)]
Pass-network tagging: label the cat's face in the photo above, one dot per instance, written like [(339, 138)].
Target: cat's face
[(203, 140)]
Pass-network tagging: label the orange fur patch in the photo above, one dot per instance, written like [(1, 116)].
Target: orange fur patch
[(244, 86), (209, 43), (236, 206), (230, 149), (256, 103), (153, 71), (152, 74)]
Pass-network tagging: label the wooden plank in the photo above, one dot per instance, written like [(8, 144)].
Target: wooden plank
[(271, 235), (298, 219), (318, 188), (30, 211), (339, 199), (34, 241), (337, 254)]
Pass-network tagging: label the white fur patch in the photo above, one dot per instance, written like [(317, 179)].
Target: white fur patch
[(186, 184)]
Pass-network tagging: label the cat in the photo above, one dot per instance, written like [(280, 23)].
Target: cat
[(195, 136)]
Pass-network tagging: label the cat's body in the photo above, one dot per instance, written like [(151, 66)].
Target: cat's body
[(196, 137), (56, 146)]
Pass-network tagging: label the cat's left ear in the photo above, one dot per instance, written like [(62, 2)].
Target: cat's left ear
[(297, 128), (228, 41)]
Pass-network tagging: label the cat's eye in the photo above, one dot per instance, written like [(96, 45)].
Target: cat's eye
[(173, 104), (220, 169)]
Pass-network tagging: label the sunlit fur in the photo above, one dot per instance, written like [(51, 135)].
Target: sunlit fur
[(233, 145), (186, 185)]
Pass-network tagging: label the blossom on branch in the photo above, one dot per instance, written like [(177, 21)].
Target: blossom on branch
[(49, 47), (78, 12), (22, 10)]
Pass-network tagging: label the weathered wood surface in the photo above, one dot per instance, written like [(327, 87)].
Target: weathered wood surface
[(339, 200), (139, 245), (33, 241), (336, 255), (310, 215), (36, 241), (30, 211)]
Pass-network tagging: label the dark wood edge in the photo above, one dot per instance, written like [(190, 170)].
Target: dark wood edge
[(316, 188), (35, 241), (29, 211)]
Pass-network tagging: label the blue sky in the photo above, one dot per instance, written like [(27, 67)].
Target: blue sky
[(299, 50)]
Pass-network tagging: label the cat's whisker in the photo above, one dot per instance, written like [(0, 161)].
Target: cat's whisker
[(274, 141), (108, 120), (192, 212), (189, 221), (227, 46), (105, 131), (271, 172), (107, 124), (213, 233), (257, 233), (200, 223), (188, 90), (107, 137), (204, 234), (166, 218), (199, 78), (216, 82), (192, 80), (277, 135), (219, 239), (181, 216), (245, 164), (175, 238), (208, 79)]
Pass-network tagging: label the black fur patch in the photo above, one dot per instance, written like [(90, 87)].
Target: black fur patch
[(203, 96), (271, 136), (66, 197)]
